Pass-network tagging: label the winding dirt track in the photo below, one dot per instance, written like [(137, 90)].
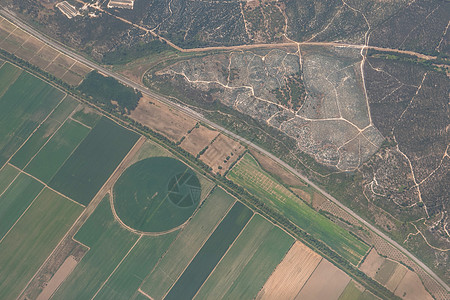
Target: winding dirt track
[(11, 16)]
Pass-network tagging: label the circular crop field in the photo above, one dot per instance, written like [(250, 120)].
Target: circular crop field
[(156, 194)]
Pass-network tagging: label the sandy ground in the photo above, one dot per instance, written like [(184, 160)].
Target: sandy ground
[(274, 168), (372, 263), (161, 118), (411, 288), (60, 275), (198, 139), (336, 281), (291, 274), (217, 153)]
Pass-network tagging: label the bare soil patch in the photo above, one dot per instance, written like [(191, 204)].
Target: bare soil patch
[(336, 281), (80, 69), (198, 139), (66, 268), (222, 153), (291, 274), (372, 263), (56, 70), (274, 168), (411, 288), (318, 200), (33, 44), (72, 78), (163, 119)]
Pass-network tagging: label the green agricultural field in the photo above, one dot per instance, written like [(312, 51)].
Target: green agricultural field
[(87, 117), (8, 74), (88, 168), (351, 292), (109, 242), (128, 277), (156, 194), (210, 254), (32, 240), (7, 175), (248, 174), (15, 201), (53, 155), (190, 240), (240, 254), (252, 278), (44, 132), (25, 104)]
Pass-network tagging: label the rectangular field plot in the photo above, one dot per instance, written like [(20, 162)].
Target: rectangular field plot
[(253, 256), (336, 281), (8, 74), (24, 105), (52, 156), (15, 200), (88, 168), (109, 242), (209, 255), (291, 274), (32, 239), (44, 132), (187, 244), (248, 174), (126, 280), (7, 175), (86, 115)]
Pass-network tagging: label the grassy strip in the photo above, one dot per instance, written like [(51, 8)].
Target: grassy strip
[(32, 239), (7, 175)]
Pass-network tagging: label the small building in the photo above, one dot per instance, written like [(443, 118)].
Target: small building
[(67, 9), (121, 4)]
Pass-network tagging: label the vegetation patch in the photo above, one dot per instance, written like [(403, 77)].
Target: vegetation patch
[(88, 168), (248, 174), (210, 254), (156, 194), (44, 132), (32, 239), (107, 91)]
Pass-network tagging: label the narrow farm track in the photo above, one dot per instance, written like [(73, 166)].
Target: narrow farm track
[(199, 117)]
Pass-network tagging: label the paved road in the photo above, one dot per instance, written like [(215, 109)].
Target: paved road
[(199, 117)]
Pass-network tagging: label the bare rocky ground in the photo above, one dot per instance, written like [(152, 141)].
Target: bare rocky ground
[(313, 94)]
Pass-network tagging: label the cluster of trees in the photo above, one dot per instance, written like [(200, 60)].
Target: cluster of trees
[(104, 90)]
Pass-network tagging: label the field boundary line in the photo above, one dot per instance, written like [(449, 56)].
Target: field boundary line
[(309, 277), (40, 124), (45, 185), (229, 248), (79, 122), (50, 255), (144, 293), (4, 63), (46, 142), (112, 273), (20, 217), (45, 69), (200, 248), (78, 242), (11, 32), (14, 179), (67, 70)]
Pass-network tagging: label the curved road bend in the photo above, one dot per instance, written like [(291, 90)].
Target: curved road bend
[(199, 117)]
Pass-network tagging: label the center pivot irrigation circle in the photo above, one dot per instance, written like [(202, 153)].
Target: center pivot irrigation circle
[(156, 194)]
